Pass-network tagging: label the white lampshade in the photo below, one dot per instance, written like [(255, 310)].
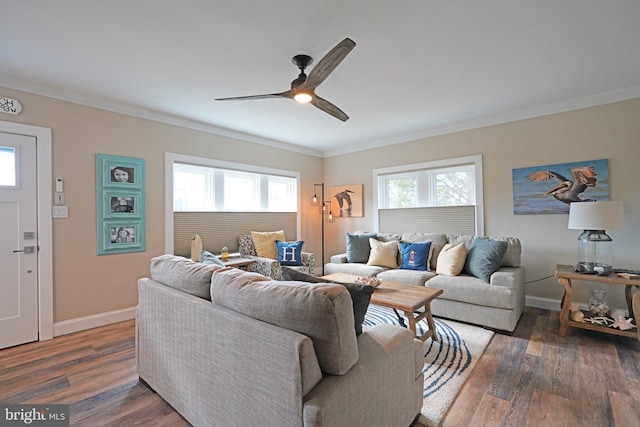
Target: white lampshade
[(595, 215)]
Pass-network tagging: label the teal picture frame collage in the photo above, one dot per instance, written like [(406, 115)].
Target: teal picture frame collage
[(120, 204)]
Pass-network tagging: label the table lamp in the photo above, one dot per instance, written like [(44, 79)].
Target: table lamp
[(594, 245)]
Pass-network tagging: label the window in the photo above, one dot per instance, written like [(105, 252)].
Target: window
[(7, 167), (441, 183), (445, 184), (208, 188)]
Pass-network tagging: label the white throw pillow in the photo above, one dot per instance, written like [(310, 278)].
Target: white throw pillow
[(451, 259), (383, 254)]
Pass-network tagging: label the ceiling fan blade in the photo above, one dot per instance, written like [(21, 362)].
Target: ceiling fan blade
[(286, 94), (329, 108), (328, 63)]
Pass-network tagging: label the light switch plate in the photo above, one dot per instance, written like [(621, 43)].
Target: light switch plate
[(61, 211)]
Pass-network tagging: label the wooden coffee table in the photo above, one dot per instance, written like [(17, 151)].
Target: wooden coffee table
[(400, 296)]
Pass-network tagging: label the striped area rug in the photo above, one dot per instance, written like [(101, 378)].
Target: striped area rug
[(448, 362)]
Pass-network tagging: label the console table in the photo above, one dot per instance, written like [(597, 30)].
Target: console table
[(565, 274)]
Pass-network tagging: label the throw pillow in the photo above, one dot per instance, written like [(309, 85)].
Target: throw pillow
[(289, 253), (383, 254), (358, 247), (265, 242), (415, 256), (207, 257), (360, 294), (451, 259), (484, 257)]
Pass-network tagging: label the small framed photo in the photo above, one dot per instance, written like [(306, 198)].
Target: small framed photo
[(121, 237), (117, 171), (120, 204)]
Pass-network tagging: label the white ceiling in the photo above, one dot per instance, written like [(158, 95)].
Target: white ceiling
[(420, 67)]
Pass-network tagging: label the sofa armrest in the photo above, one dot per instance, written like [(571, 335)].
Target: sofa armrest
[(384, 388), (339, 258)]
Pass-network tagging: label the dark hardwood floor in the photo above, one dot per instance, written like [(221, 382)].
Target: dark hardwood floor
[(532, 378)]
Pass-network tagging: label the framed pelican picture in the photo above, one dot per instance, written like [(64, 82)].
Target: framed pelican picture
[(549, 189), (346, 201)]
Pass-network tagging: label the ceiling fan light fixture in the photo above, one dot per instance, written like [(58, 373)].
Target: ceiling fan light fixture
[(302, 97)]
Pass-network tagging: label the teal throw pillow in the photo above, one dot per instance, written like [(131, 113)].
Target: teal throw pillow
[(360, 294), (207, 257), (289, 253), (415, 256), (358, 247), (484, 257)]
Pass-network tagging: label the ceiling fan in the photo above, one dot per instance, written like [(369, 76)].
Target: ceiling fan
[(303, 87)]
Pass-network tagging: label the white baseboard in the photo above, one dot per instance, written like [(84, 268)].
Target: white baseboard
[(93, 321), (542, 302)]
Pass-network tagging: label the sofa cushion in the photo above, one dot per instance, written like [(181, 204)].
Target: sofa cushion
[(415, 256), (265, 242), (360, 294), (358, 247), (407, 277), (383, 254), (471, 290), (451, 259), (437, 243), (207, 257), (484, 257), (512, 256), (355, 268), (289, 253), (321, 311), (183, 274)]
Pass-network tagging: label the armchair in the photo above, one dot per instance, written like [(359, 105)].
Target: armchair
[(270, 267)]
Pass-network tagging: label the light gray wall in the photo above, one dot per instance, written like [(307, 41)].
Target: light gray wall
[(605, 132)]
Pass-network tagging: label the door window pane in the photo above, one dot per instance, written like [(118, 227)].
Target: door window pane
[(7, 166)]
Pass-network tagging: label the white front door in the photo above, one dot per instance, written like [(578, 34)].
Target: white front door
[(18, 240)]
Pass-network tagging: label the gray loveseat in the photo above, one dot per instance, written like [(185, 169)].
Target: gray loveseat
[(496, 303), (226, 347)]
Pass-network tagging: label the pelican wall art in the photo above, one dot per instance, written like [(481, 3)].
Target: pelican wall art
[(348, 199), (550, 189)]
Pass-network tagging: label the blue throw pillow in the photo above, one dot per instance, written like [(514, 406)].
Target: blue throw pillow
[(207, 257), (415, 256), (289, 253), (358, 247), (484, 257)]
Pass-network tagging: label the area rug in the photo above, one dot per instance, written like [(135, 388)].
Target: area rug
[(448, 362)]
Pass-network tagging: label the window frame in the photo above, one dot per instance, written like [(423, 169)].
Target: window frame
[(407, 170)]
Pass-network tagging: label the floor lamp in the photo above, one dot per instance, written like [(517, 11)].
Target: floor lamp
[(326, 213)]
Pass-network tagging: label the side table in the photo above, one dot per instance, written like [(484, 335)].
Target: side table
[(238, 262), (565, 274)]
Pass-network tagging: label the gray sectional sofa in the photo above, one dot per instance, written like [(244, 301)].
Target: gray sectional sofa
[(496, 303), (226, 347)]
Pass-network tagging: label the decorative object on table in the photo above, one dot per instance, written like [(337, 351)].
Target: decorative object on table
[(594, 245), (326, 213), (577, 316), (617, 312), (371, 281), (120, 200), (599, 320), (575, 313), (576, 182), (623, 324), (196, 247), (598, 304), (225, 253), (349, 198)]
